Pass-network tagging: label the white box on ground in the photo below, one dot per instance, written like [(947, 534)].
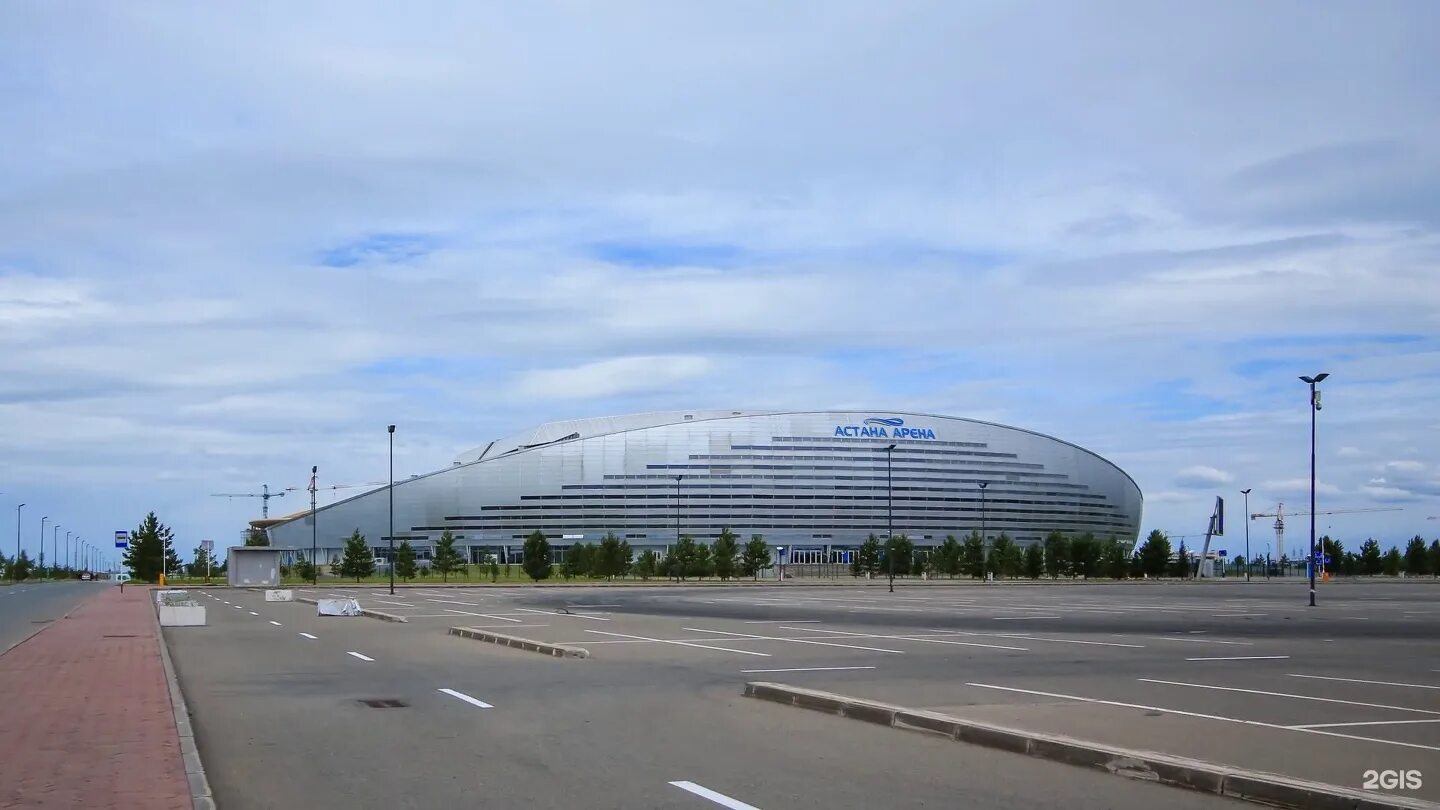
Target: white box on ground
[(182, 615), (173, 593), (337, 607), (280, 596)]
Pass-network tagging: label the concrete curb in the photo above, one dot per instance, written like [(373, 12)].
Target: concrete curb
[(200, 796), (557, 650), (370, 614), (1254, 786)]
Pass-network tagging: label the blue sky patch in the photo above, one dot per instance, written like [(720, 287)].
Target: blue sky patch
[(383, 248)]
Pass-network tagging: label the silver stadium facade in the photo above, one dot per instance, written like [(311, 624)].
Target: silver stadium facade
[(814, 482)]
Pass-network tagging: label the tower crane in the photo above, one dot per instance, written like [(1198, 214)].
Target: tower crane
[(333, 487), (1280, 514), (264, 495)]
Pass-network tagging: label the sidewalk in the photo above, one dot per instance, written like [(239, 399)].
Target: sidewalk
[(87, 720)]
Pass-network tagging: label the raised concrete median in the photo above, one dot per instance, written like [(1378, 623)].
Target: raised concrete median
[(557, 650), (1263, 788)]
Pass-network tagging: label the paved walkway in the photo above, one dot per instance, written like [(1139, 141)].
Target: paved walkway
[(86, 717)]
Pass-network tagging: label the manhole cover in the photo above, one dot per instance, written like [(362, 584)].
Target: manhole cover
[(384, 703)]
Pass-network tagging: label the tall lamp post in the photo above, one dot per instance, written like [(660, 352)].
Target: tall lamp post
[(314, 530), (43, 520), (677, 507), (54, 546), (391, 430), (15, 569), (67, 551), (890, 515), (983, 555), (1246, 493), (1314, 407)]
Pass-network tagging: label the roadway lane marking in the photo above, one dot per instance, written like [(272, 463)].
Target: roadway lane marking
[(462, 696), (307, 635), (913, 638), (1218, 615), (452, 602), (1241, 658), (794, 640), (1068, 640), (1194, 640), (488, 616), (253, 613), (576, 615), (1357, 680), (680, 643), (1288, 695), (1204, 716), (361, 656), (787, 621), (718, 798), (388, 602), (277, 624), (1020, 618), (595, 606), (237, 607), (803, 669), (1367, 723)]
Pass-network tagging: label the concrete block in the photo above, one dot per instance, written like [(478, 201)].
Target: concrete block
[(1002, 738), (182, 615), (870, 712), (279, 596), (556, 650), (927, 721)]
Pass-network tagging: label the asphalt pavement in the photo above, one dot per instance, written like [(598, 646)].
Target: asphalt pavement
[(28, 606), (278, 701)]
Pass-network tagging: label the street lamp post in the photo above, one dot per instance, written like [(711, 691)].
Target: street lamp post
[(677, 507), (983, 556), (15, 569), (1248, 562), (314, 524), (890, 514), (54, 546), (1314, 407), (391, 430), (42, 541)]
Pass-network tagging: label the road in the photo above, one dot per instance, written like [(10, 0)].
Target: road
[(27, 607), (280, 719)]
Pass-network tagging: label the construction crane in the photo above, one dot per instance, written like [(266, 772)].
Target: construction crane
[(1280, 514), (264, 495), (333, 487)]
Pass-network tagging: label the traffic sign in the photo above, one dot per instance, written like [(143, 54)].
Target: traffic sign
[(122, 539), (208, 545)]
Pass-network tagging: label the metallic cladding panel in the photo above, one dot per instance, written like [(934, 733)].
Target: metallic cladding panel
[(787, 476)]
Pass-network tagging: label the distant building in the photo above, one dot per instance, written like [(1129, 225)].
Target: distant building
[(816, 482)]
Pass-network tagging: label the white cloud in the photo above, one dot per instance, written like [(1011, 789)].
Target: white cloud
[(1350, 452), (1298, 486), (1202, 477), (604, 378)]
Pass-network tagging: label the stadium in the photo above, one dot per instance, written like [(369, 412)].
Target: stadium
[(816, 483)]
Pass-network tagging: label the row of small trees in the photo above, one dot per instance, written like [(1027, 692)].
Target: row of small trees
[(1416, 560)]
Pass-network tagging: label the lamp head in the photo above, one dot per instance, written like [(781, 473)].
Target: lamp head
[(1244, 492), (389, 428)]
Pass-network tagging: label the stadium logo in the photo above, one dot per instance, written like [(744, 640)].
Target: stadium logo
[(884, 428)]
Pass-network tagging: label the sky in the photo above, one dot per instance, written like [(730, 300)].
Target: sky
[(236, 243)]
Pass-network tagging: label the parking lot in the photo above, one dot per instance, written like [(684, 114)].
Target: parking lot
[(1245, 675)]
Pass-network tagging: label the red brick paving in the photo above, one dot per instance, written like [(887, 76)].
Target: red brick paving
[(85, 720)]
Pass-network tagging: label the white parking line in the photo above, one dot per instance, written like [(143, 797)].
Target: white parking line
[(786, 621), (453, 602), (680, 643), (804, 669), (307, 635), (1357, 680), (277, 624), (1241, 658), (1194, 640), (361, 656), (551, 613), (913, 638), (237, 607), (1068, 640), (1369, 723), (795, 640), (1218, 615), (1020, 618), (1288, 695), (462, 696), (388, 602), (1204, 716), (253, 613), (718, 798)]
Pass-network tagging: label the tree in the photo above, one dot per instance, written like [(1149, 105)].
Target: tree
[(202, 564), (1181, 566), (303, 568), (1114, 561), (256, 537), (1434, 558), (536, 553), (755, 557), (1057, 554), (405, 560), (972, 555), (1154, 554), (1416, 562), (646, 566), (1392, 562), (447, 559), (494, 568), (1085, 555), (605, 559), (946, 556), (4, 566), (22, 567), (901, 550), (148, 542), (626, 558), (1370, 562), (359, 559), (868, 555), (1034, 561), (724, 553), (680, 561), (577, 561), (1005, 558), (702, 564)]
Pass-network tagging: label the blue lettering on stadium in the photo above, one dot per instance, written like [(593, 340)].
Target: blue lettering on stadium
[(889, 428)]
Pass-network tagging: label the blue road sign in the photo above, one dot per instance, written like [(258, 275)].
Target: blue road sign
[(122, 539)]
